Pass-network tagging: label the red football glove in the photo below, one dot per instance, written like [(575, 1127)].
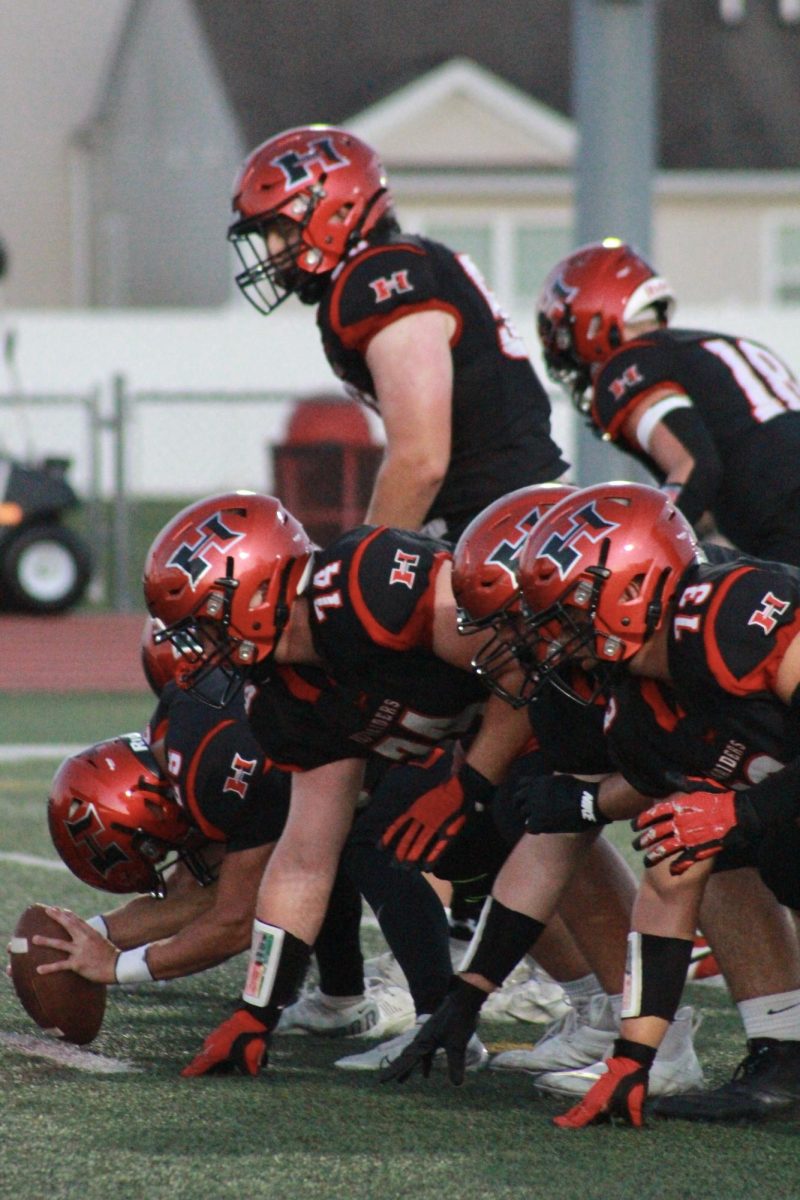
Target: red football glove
[(423, 832), (692, 826), (621, 1092), (238, 1046)]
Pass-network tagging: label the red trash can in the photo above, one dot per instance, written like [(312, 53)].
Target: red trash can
[(325, 468)]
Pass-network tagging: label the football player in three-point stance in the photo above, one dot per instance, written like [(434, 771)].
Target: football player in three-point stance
[(712, 416), (375, 612), (611, 578)]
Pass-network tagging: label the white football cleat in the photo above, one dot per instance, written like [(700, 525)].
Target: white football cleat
[(383, 1009), (676, 1067), (528, 994), (386, 1052), (386, 969), (580, 1038)]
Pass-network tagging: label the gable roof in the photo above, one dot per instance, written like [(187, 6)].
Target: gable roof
[(461, 113), (728, 94)]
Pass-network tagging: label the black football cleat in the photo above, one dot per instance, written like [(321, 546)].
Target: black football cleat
[(765, 1084)]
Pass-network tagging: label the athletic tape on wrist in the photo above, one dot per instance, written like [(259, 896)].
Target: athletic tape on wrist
[(98, 923), (655, 972), (131, 966), (502, 937), (278, 961)]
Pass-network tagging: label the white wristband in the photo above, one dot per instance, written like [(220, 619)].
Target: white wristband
[(99, 924), (131, 966)]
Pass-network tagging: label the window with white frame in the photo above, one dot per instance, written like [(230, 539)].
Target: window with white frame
[(783, 278), (513, 253)]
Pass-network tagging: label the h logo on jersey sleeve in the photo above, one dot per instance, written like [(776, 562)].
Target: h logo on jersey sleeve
[(241, 772), (766, 617), (212, 534), (397, 283), (585, 526), (321, 152), (403, 571)]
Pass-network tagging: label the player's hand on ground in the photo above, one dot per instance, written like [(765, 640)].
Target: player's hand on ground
[(448, 789), (238, 1046), (86, 951), (687, 827), (619, 1093), (449, 1029)]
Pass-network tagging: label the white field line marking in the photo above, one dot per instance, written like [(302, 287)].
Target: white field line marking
[(65, 1054), (25, 751), (32, 860)]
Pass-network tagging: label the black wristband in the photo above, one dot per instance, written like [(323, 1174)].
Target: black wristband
[(773, 801), (503, 939), (466, 997), (641, 1054), (655, 973)]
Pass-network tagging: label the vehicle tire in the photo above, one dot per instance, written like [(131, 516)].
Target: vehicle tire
[(44, 569)]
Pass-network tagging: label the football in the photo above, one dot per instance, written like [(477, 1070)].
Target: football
[(63, 1003)]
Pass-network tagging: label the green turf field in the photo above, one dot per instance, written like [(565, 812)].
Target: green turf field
[(307, 1131)]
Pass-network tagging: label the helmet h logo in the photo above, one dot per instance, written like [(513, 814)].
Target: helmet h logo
[(213, 534), (84, 830), (397, 283), (296, 167), (585, 525), (506, 551), (766, 617)]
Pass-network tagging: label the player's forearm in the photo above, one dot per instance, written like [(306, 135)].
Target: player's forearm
[(403, 493), (207, 941), (146, 919)]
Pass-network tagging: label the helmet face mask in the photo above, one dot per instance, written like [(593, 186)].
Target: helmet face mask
[(485, 581), (321, 189), (115, 822), (597, 575), (221, 577), (586, 302)]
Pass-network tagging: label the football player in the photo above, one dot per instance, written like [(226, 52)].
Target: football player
[(612, 577), (212, 781), (711, 416), (243, 593), (410, 326)]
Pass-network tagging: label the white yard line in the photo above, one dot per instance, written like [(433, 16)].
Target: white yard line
[(32, 860), (26, 751), (65, 1054)]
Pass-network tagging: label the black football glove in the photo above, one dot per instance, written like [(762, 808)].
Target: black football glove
[(237, 1046), (558, 804), (450, 1029), (448, 789)]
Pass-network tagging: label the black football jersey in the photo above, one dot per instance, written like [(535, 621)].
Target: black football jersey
[(569, 735), (501, 413), (220, 774), (720, 716), (748, 400), (381, 689)]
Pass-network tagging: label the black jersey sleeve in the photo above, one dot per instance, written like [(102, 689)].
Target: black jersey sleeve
[(752, 618), (635, 373), (381, 285)]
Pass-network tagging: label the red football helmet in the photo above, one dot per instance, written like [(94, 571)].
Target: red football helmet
[(161, 661), (113, 818), (321, 189), (597, 574), (484, 575), (222, 576), (586, 300)]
